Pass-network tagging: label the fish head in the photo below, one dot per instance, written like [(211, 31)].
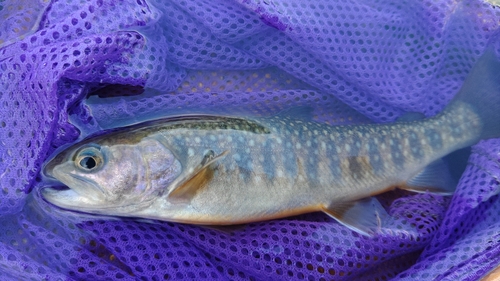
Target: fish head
[(111, 178)]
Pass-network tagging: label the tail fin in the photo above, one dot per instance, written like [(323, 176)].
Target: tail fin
[(481, 90)]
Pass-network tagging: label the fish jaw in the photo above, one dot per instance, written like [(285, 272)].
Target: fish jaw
[(68, 199), (83, 194)]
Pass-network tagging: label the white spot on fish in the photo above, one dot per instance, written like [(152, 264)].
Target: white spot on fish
[(251, 142), (367, 147), (197, 139), (298, 145), (212, 138), (279, 173), (308, 143), (278, 140), (347, 147), (229, 139), (190, 152), (323, 145), (236, 157)]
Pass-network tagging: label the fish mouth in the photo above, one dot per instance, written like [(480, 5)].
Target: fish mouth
[(69, 200), (63, 173), (63, 197), (56, 194)]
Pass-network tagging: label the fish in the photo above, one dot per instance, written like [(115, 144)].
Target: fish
[(230, 170)]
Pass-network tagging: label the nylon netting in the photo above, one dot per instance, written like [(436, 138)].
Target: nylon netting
[(70, 68)]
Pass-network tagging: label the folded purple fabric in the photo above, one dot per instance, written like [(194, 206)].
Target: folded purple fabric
[(352, 62)]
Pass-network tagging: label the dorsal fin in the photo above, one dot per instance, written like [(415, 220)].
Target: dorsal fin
[(198, 178)]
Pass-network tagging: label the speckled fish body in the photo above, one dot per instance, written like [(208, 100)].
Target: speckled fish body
[(262, 168)]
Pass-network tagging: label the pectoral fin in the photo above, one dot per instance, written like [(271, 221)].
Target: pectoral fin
[(434, 178), (363, 216), (198, 178)]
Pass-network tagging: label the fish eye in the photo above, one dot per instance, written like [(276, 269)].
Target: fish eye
[(88, 162), (89, 159)]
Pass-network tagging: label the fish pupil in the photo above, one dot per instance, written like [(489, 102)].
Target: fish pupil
[(88, 163)]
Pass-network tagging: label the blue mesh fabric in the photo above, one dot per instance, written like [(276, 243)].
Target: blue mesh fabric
[(69, 68)]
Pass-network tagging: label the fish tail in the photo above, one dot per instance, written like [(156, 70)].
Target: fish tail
[(481, 91)]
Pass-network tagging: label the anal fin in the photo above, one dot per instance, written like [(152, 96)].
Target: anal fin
[(434, 178), (363, 216)]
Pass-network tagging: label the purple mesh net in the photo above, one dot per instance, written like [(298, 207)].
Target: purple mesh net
[(69, 68)]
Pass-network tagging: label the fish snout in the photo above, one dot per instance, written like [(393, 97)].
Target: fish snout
[(48, 169)]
